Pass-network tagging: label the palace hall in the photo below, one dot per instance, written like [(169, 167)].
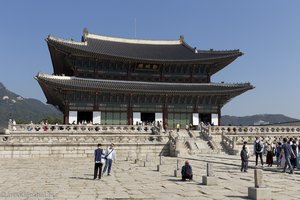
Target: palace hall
[(120, 81)]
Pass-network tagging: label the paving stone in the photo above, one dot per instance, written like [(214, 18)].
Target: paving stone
[(70, 178)]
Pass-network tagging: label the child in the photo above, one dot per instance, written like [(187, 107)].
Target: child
[(244, 158)]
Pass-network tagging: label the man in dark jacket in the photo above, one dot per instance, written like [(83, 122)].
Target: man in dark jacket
[(244, 158), (186, 171), (98, 165), (287, 149)]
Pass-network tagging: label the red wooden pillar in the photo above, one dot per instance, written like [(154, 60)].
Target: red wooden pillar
[(66, 114), (129, 111), (165, 113), (219, 116)]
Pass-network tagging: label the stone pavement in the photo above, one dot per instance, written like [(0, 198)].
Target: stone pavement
[(72, 178)]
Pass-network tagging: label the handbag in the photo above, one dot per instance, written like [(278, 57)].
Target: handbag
[(103, 160)]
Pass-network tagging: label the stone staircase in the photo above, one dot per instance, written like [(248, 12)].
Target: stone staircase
[(195, 144)]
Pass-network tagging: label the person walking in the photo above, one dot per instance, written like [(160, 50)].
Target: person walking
[(98, 164), (294, 155), (110, 156), (287, 150), (270, 154), (258, 149), (277, 153)]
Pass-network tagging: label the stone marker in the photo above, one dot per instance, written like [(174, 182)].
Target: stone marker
[(160, 160), (158, 168), (178, 164), (144, 163), (258, 177), (210, 171), (128, 156), (258, 191), (210, 179), (175, 172)]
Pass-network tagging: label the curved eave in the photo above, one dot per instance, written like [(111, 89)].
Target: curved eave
[(74, 83), (51, 96), (78, 48)]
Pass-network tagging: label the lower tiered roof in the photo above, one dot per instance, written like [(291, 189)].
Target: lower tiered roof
[(84, 84)]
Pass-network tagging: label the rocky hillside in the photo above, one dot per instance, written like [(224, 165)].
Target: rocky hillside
[(13, 106)]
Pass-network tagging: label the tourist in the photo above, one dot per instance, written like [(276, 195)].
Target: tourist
[(187, 127), (294, 154), (258, 149), (166, 127), (177, 127), (98, 161), (244, 158), (287, 150), (270, 154), (45, 125), (110, 156), (277, 153), (186, 171)]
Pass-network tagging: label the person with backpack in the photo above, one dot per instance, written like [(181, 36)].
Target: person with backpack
[(258, 149)]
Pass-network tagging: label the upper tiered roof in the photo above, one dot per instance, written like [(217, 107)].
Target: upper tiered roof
[(139, 49)]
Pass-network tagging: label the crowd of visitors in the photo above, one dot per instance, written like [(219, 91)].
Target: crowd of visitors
[(285, 154)]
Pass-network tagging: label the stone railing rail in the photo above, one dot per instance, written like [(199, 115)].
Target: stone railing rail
[(233, 137), (83, 139), (228, 142), (205, 132), (253, 130), (52, 128)]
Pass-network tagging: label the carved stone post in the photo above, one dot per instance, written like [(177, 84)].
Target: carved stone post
[(210, 179), (259, 191), (178, 164), (210, 171), (160, 160), (258, 178)]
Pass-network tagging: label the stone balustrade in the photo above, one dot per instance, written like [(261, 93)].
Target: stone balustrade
[(103, 129), (50, 139), (233, 137), (254, 130), (39, 140)]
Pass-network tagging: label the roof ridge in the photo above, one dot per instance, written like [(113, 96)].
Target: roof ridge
[(59, 39), (132, 40), (63, 77)]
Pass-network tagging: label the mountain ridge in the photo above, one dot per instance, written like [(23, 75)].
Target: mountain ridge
[(14, 106), (258, 119)]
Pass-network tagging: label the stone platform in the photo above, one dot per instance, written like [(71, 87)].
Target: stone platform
[(33, 141), (72, 178)]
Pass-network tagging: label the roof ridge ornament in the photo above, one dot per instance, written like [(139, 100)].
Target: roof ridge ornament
[(181, 38), (85, 33)]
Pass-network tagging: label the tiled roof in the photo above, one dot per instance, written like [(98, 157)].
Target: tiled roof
[(67, 82), (139, 49)]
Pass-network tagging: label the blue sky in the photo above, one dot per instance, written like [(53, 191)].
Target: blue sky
[(268, 32)]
